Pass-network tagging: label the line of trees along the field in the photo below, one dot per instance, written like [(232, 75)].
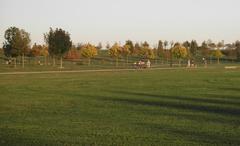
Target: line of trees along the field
[(59, 46)]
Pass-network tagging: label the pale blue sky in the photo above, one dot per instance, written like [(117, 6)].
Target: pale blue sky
[(118, 20)]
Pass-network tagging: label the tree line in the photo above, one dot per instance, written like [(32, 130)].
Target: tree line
[(59, 46)]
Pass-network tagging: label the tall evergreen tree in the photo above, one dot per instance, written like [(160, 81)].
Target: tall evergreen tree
[(193, 48), (160, 50)]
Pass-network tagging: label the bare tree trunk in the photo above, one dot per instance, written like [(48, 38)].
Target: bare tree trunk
[(54, 61), (15, 62), (89, 61), (171, 60), (61, 62), (45, 60), (205, 63), (23, 60), (117, 62)]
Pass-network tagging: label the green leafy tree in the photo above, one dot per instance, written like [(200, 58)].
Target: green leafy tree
[(146, 52), (218, 54), (171, 55), (160, 50), (205, 50), (39, 50), (8, 46), (23, 43), (167, 55), (73, 53), (89, 51), (44, 52), (126, 52), (166, 52), (137, 48), (230, 51), (59, 43), (115, 52), (145, 44), (36, 50), (50, 41), (17, 43), (179, 52), (237, 45), (187, 45), (193, 48), (150, 54), (212, 47), (131, 46)]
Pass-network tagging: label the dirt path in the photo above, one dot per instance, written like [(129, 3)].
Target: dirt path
[(83, 71)]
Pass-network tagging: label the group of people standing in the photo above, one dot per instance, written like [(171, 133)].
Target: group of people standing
[(141, 64), (191, 63)]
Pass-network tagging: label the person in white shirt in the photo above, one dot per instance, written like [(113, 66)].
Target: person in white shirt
[(148, 64)]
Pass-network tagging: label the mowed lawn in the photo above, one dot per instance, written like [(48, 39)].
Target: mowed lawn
[(161, 107)]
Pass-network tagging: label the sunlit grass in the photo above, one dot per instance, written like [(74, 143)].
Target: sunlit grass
[(142, 107)]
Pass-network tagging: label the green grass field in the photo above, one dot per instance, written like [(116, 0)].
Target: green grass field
[(142, 107)]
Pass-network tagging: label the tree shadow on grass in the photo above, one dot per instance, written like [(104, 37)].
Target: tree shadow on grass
[(183, 106), (231, 89), (194, 135), (205, 118), (172, 102), (206, 98), (181, 103)]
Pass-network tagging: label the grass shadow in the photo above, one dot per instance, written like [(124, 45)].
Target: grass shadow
[(194, 135), (181, 103)]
